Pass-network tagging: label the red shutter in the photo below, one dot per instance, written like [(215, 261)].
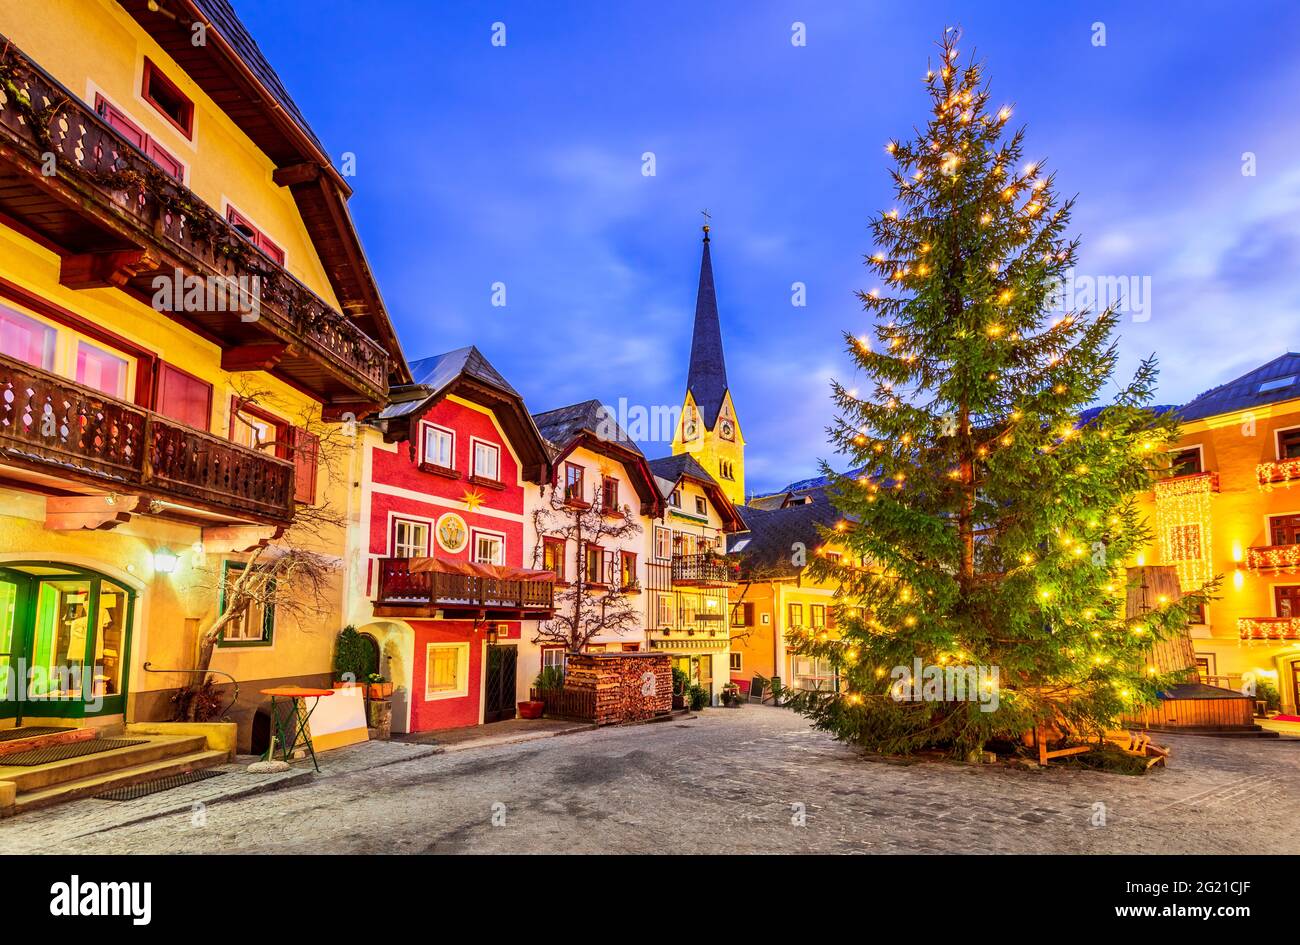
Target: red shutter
[(183, 397), (304, 448)]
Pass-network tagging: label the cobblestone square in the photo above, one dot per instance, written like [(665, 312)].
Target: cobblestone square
[(749, 781)]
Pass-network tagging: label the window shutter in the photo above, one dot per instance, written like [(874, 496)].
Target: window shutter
[(304, 447), (184, 398)]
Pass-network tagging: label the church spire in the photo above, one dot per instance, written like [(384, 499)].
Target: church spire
[(706, 378)]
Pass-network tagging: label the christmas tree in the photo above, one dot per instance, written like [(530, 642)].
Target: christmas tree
[(994, 516)]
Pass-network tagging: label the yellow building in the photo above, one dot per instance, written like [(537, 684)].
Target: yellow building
[(187, 326), (708, 429), (776, 600), (1233, 508)]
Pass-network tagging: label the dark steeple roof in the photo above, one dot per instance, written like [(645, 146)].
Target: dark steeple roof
[(707, 377)]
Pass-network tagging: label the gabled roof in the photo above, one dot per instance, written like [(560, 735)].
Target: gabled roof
[(562, 424), (670, 470), (766, 548), (593, 425), (1270, 383), (706, 378), (821, 482), (466, 373)]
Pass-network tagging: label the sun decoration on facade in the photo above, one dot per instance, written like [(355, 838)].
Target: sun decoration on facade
[(473, 499), (453, 534)]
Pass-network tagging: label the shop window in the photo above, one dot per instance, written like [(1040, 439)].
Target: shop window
[(446, 673)]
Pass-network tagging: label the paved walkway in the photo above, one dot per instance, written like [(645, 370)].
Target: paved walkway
[(748, 781)]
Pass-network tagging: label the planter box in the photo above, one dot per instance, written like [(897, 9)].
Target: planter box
[(531, 709)]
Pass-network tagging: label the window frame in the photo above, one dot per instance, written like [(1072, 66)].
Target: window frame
[(587, 549), (495, 448), (166, 368), (426, 427), (569, 483), (626, 571), (560, 565), (1284, 520), (121, 122), (268, 612), (790, 609), (409, 520), (814, 612), (475, 534), (462, 671), (1198, 449), (151, 74), (606, 482), (735, 661), (666, 532), (701, 505), (270, 249), (1291, 433)]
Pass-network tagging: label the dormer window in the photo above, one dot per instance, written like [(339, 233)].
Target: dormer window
[(163, 94)]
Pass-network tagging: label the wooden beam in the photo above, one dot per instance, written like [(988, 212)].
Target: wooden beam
[(99, 512), (255, 357), (105, 270), (342, 410), (291, 174), (231, 539)]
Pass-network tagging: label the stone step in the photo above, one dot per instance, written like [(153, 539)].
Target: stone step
[(123, 777), (155, 748)]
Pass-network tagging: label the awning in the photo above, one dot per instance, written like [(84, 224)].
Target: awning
[(500, 572)]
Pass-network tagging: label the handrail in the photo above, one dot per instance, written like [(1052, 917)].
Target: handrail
[(203, 672)]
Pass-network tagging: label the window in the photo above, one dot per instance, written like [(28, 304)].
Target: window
[(631, 647), (255, 236), (626, 568), (573, 483), (553, 657), (1288, 444), (305, 450), (1187, 462), (675, 499), (254, 624), (701, 506), (160, 92), (664, 610), (734, 659), (1284, 529), (1279, 383), (438, 447), (25, 339), (257, 429), (742, 615), (609, 494), (593, 559), (724, 469), (796, 615), (410, 538), (132, 133), (446, 670), (182, 396), (1286, 600), (489, 548), (487, 461), (553, 556), (663, 543), (1205, 665), (813, 673), (817, 613), (102, 370)]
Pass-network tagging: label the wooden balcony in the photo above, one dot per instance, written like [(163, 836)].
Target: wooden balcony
[(71, 437), (403, 593), (702, 571), (118, 220), (1268, 628), (1273, 557)]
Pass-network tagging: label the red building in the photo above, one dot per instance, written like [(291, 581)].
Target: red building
[(443, 515)]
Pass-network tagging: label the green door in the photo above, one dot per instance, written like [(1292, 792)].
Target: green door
[(64, 642)]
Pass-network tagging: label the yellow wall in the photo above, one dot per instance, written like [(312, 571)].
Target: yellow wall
[(1238, 520)]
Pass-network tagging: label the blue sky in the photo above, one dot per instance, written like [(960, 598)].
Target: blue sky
[(522, 164)]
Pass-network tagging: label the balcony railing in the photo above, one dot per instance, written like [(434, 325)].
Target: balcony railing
[(1190, 483), (1284, 472), (399, 586), (702, 571), (54, 426), (1268, 628), (115, 187), (1268, 557)]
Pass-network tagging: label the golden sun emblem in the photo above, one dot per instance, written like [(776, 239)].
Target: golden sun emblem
[(473, 499)]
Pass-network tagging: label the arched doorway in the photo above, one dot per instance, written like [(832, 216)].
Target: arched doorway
[(65, 641)]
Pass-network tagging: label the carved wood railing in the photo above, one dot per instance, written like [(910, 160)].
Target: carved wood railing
[(122, 184), (66, 429), (399, 585), (702, 570)]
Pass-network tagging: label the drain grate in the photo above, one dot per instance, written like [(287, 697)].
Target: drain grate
[(133, 791), (30, 731), (45, 756)]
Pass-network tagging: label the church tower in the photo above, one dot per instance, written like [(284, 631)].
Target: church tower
[(708, 429)]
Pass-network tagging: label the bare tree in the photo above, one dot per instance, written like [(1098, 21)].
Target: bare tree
[(293, 571), (581, 615)]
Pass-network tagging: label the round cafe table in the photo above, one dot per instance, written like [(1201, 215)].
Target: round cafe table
[(289, 719)]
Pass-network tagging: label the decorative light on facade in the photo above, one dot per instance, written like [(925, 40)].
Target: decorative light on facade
[(1284, 557), (1268, 628), (1283, 473), (1183, 525)]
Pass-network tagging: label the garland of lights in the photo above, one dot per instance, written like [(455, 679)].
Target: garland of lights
[(1273, 556), (1183, 523), (1266, 628), (1283, 473)]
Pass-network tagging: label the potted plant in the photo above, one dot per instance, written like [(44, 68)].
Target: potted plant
[(550, 679), (731, 697), (681, 683), (699, 697), (354, 658), (377, 687)]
